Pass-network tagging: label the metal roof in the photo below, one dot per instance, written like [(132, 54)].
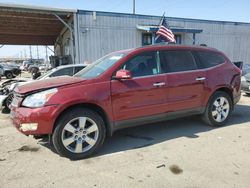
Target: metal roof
[(31, 25), (34, 8)]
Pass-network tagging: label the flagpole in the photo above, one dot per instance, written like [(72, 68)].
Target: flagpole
[(162, 18), (160, 24)]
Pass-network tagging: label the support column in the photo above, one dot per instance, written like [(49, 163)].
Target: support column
[(153, 38), (193, 38)]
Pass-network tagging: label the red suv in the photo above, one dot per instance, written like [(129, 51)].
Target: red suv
[(124, 89)]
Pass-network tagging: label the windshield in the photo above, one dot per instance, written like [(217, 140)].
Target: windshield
[(100, 66)]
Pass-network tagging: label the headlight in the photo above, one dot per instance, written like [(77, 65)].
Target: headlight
[(38, 99), (243, 79)]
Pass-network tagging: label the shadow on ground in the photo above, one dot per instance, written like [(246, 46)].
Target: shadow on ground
[(147, 135)]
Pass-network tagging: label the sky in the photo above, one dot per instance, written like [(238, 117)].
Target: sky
[(225, 10)]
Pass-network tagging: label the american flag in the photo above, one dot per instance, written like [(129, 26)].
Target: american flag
[(165, 32)]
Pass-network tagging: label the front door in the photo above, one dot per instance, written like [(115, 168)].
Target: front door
[(144, 94)]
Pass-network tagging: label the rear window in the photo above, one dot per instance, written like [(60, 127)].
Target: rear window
[(177, 61), (77, 69), (62, 72), (208, 59)]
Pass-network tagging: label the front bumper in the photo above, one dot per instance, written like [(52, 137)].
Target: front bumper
[(43, 118), (2, 99), (245, 86)]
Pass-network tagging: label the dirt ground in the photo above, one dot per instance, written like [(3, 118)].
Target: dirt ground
[(177, 153)]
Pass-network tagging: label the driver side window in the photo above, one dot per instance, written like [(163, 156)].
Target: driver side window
[(144, 64)]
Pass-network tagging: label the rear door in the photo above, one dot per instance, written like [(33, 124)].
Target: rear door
[(186, 83), (143, 95)]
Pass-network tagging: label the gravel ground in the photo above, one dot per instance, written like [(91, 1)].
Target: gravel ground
[(177, 153)]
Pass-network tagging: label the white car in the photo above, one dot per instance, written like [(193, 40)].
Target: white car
[(7, 87)]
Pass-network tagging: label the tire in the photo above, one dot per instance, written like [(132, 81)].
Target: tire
[(8, 75), (8, 100), (218, 109), (69, 139), (248, 94)]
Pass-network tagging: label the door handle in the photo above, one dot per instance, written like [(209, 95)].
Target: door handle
[(200, 78), (159, 84)]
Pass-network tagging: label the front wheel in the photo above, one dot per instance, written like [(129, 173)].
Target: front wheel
[(79, 133), (9, 100), (8, 75), (218, 110)]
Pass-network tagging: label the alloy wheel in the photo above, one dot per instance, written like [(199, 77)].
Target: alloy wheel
[(80, 134), (220, 109)]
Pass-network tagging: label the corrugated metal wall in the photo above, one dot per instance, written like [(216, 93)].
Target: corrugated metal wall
[(101, 33)]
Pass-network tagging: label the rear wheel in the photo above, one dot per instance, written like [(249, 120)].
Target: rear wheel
[(218, 109), (79, 133), (248, 94)]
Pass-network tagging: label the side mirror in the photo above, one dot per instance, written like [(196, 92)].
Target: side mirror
[(123, 75)]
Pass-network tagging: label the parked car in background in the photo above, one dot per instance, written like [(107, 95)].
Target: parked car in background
[(124, 89), (245, 84), (7, 87), (10, 71), (26, 65), (245, 69), (1, 71), (31, 67), (42, 67)]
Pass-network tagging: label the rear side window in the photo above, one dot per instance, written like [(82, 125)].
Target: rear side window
[(208, 59), (177, 61)]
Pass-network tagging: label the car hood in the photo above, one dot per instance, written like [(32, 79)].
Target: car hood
[(47, 83)]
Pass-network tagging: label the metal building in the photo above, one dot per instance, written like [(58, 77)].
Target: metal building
[(102, 32), (88, 35)]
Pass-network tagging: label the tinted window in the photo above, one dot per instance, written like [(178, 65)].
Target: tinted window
[(176, 61), (208, 59), (77, 69), (142, 65), (61, 72)]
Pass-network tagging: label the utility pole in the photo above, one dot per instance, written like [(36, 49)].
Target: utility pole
[(133, 6), (25, 55), (37, 53), (30, 53), (46, 54)]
